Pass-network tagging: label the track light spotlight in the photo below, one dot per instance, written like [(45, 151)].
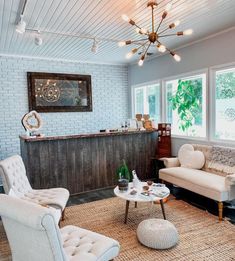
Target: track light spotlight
[(95, 46), (20, 27), (38, 39)]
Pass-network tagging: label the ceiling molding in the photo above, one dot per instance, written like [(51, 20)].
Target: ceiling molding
[(59, 60)]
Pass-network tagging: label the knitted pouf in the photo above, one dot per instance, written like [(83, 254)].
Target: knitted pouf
[(157, 233)]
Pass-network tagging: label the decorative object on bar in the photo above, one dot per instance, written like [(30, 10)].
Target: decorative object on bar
[(132, 124), (139, 118), (32, 123), (54, 92), (147, 122), (154, 36), (164, 140)]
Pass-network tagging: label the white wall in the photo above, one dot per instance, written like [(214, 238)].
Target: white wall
[(109, 94), (213, 51)]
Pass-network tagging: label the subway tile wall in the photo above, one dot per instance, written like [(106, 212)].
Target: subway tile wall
[(109, 97)]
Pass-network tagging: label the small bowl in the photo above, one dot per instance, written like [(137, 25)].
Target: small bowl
[(145, 188), (149, 182)]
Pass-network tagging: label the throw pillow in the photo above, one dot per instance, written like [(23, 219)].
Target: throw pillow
[(189, 158)]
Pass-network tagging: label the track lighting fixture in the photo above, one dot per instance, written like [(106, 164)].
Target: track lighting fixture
[(95, 46), (154, 36), (38, 39), (20, 27)]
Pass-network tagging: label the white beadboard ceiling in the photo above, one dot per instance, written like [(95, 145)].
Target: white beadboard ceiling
[(102, 19)]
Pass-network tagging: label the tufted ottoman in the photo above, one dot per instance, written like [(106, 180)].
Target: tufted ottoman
[(157, 233)]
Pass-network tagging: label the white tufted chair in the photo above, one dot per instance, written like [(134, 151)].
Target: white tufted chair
[(16, 184), (34, 235)]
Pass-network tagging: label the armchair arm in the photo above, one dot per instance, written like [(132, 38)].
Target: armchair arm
[(171, 162)]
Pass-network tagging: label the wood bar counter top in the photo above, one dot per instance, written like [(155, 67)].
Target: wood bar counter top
[(86, 162)]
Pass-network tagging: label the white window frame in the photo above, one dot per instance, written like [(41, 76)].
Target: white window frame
[(133, 87), (186, 75), (212, 72)]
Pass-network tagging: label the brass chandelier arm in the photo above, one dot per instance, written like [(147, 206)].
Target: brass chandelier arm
[(164, 30), (152, 19), (166, 35), (139, 40), (147, 49), (159, 25)]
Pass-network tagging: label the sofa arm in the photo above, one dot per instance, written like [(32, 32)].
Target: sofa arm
[(171, 162)]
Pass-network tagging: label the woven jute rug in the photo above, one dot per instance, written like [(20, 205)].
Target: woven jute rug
[(201, 236)]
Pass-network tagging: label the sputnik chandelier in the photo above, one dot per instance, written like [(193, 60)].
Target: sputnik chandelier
[(154, 36)]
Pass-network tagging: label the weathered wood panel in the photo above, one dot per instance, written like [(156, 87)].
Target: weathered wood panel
[(86, 163)]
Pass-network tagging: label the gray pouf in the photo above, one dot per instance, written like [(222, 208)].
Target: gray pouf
[(157, 233)]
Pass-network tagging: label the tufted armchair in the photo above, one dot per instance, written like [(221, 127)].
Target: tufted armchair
[(34, 226), (16, 184)]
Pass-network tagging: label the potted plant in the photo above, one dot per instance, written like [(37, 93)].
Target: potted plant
[(123, 176)]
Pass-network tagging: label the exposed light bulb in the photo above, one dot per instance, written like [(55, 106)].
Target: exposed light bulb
[(188, 32), (20, 27), (121, 44), (177, 22), (129, 55), (141, 30), (177, 57), (168, 7), (161, 48), (141, 62), (125, 18)]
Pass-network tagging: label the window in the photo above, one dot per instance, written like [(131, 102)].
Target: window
[(147, 101), (225, 104), (186, 105)]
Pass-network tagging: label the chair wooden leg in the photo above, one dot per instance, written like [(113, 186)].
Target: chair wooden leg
[(220, 208), (63, 215)]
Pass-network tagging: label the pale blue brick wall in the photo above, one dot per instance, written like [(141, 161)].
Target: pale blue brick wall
[(109, 94)]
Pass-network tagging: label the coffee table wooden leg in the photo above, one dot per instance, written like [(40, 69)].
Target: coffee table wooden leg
[(127, 208), (163, 210), (136, 204)]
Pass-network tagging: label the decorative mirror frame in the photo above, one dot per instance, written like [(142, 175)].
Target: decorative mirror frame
[(33, 76)]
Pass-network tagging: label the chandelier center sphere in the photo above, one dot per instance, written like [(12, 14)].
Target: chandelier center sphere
[(153, 37)]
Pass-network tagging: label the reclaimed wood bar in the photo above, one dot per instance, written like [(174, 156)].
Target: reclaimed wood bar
[(86, 162)]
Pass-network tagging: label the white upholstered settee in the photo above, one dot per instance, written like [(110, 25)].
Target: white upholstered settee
[(210, 179)]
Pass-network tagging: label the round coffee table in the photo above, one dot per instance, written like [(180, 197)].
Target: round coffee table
[(138, 197)]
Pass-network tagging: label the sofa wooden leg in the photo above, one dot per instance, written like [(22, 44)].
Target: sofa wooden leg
[(220, 208), (63, 215)]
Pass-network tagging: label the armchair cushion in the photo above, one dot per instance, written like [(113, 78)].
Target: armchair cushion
[(54, 196), (82, 244)]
